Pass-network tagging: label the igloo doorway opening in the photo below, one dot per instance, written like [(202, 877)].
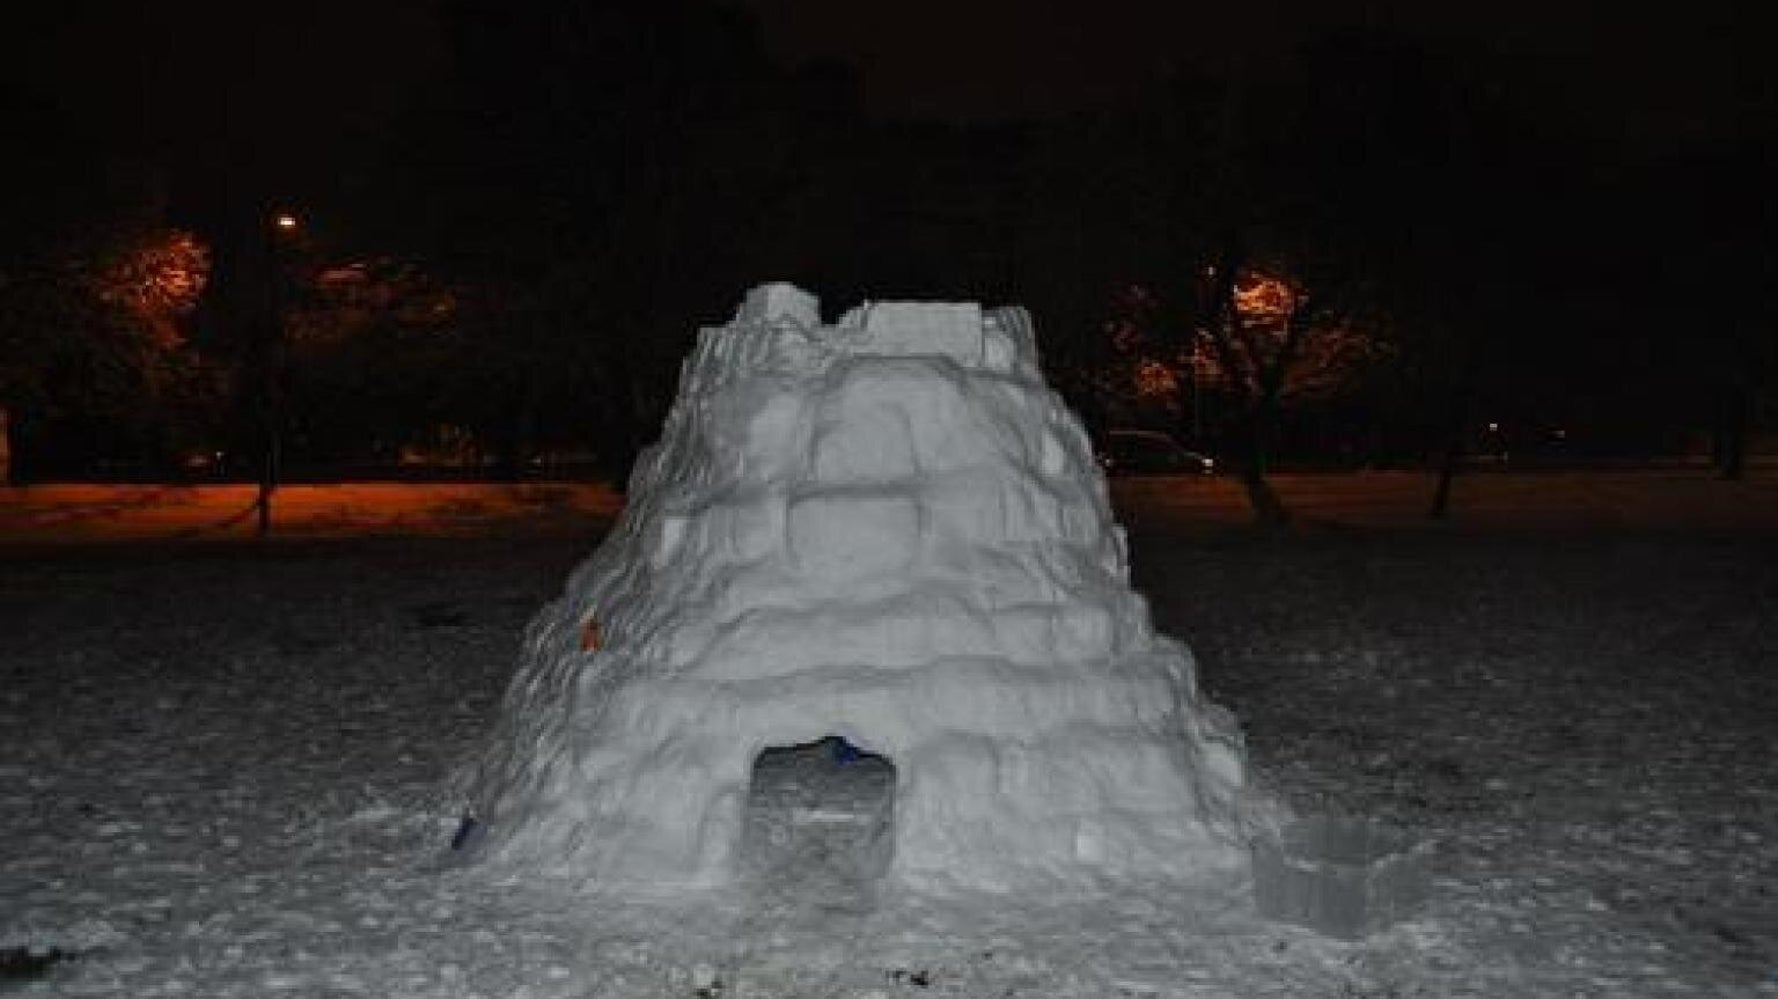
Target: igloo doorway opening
[(819, 819)]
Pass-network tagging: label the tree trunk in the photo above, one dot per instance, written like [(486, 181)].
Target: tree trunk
[(1730, 445), (1449, 462), (1268, 509), (6, 466), (269, 471), (520, 434), (1451, 452)]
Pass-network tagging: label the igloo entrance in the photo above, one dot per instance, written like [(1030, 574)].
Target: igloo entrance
[(820, 818)]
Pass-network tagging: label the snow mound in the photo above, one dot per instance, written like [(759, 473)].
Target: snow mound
[(889, 530)]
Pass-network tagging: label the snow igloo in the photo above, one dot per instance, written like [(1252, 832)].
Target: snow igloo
[(887, 530)]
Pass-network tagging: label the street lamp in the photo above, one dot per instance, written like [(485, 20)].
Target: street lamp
[(272, 360)]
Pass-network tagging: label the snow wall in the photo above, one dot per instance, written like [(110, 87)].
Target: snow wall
[(887, 529)]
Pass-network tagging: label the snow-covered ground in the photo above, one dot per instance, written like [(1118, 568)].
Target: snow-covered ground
[(221, 766)]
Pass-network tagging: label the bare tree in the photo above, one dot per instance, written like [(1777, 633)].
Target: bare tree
[(1273, 341), (98, 326)]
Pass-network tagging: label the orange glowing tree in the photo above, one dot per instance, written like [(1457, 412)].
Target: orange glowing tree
[(97, 325), (1258, 343), (1267, 341)]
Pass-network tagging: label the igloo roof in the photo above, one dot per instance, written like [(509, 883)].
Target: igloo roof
[(893, 488)]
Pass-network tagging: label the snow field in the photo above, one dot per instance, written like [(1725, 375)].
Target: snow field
[(224, 774)]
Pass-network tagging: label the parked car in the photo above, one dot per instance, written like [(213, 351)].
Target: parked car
[(1150, 452), (203, 463)]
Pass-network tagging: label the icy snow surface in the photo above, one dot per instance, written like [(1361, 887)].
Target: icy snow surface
[(223, 773), (887, 529)]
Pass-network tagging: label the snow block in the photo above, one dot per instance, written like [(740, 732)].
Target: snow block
[(842, 536), (1008, 341), (913, 329), (780, 302), (1341, 877)]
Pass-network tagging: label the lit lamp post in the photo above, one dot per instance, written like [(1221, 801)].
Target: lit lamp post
[(272, 360)]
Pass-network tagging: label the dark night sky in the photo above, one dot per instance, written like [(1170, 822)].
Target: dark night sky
[(1643, 79), (327, 69), (209, 103), (314, 77)]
